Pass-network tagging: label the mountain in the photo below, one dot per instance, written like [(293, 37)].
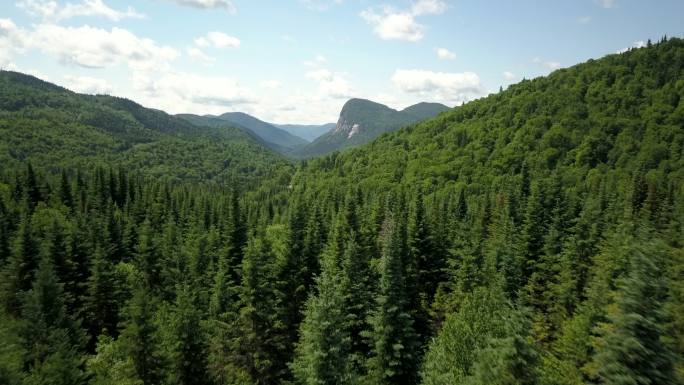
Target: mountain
[(422, 111), (534, 236), (362, 121), (307, 131), (56, 128), (551, 212), (279, 139)]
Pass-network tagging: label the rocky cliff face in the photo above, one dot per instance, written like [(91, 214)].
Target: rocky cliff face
[(346, 127)]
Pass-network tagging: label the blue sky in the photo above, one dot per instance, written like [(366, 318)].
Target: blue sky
[(298, 61)]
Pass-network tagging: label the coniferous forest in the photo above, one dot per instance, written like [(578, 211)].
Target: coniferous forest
[(534, 236)]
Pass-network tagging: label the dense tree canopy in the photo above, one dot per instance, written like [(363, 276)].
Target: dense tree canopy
[(534, 236)]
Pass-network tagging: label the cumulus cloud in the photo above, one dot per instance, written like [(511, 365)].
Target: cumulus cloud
[(217, 40), (584, 19), (445, 54), (270, 84), (52, 11), (182, 88), (12, 42), (198, 55), (87, 85), (393, 24), (509, 75), (449, 87), (331, 84), (99, 48), (207, 4)]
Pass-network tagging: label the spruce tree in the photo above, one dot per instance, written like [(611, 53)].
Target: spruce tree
[(100, 302), (52, 339), (18, 272), (633, 351), (140, 338), (424, 268), (189, 345), (395, 355), (258, 340), (323, 354)]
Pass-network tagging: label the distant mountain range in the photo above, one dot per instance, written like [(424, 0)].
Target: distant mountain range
[(307, 131), (55, 128), (268, 134), (362, 121)]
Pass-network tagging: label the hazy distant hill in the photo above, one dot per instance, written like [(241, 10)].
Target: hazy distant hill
[(307, 131), (57, 128)]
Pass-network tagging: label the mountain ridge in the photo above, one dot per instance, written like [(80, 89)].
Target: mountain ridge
[(363, 120)]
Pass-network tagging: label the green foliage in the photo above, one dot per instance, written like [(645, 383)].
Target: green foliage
[(56, 128), (485, 342), (371, 120), (395, 343), (530, 237), (633, 351)]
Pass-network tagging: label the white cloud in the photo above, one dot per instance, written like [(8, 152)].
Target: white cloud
[(181, 89), (445, 54), (50, 10), (331, 84), (449, 87), (636, 44), (392, 24), (584, 19), (318, 61), (320, 5), (207, 4), (87, 85), (428, 7), (99, 48), (270, 84), (548, 64), (12, 42), (217, 40), (509, 75), (197, 54), (607, 3)]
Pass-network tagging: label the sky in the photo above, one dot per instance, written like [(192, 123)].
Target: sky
[(299, 61)]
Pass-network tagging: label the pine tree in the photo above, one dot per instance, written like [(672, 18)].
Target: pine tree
[(258, 339), (4, 231), (52, 339), (18, 272), (395, 355), (323, 354), (31, 189), (189, 345), (100, 302), (357, 290), (146, 257), (140, 337), (485, 342), (633, 351), (293, 279), (424, 268), (65, 194)]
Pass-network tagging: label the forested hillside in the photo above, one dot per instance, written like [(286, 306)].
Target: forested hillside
[(59, 129), (530, 237), (273, 137)]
